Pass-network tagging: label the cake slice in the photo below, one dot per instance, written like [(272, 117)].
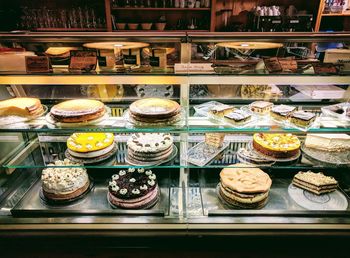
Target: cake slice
[(302, 118), (328, 142), (237, 117), (282, 112), (316, 183), (221, 110), (261, 107), (24, 107)]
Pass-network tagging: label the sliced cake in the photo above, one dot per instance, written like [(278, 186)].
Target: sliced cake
[(316, 183)]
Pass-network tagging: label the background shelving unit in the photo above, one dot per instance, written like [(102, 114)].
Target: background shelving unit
[(216, 17)]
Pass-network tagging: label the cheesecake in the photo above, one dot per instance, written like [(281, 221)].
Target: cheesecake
[(328, 142)]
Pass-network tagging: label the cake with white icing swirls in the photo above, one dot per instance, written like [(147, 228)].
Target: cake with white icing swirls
[(64, 183), (133, 189), (149, 147)]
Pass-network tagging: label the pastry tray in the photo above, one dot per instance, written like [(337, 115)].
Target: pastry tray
[(279, 203), (94, 203), (327, 112)]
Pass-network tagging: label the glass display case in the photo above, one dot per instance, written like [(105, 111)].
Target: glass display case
[(210, 132)]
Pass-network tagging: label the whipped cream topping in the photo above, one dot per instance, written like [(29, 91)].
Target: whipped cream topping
[(150, 142), (63, 180)]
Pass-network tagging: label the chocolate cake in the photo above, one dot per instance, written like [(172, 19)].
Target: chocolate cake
[(133, 189)]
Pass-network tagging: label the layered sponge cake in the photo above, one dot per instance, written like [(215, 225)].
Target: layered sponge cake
[(23, 107), (317, 183), (78, 110), (133, 189), (155, 111), (244, 187), (149, 147)]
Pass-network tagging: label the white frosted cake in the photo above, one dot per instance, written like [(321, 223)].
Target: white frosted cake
[(328, 142)]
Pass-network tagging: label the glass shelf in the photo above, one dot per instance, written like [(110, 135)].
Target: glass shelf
[(49, 150), (194, 124)]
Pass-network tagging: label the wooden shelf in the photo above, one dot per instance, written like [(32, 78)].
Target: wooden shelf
[(346, 13), (70, 29), (166, 31), (158, 9)]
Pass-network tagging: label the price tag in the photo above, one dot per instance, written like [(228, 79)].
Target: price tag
[(154, 61), (38, 64), (130, 59), (83, 60)]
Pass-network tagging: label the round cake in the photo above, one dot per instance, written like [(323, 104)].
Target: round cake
[(149, 147), (23, 107), (133, 189), (155, 110), (276, 145), (244, 187), (90, 145), (64, 184), (78, 110)]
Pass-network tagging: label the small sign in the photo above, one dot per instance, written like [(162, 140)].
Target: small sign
[(130, 59), (83, 60), (154, 61), (38, 64)]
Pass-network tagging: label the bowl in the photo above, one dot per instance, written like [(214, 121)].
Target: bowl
[(120, 26), (146, 26), (133, 26), (160, 25)]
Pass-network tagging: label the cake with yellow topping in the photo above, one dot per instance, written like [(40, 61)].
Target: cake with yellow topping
[(90, 145), (276, 145)]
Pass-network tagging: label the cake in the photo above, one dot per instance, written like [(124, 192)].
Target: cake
[(133, 189), (328, 142), (23, 107), (251, 157), (282, 112), (316, 183), (302, 118), (237, 117), (260, 91), (149, 147), (155, 111), (244, 187), (261, 107), (215, 139), (64, 184), (276, 145), (89, 146), (221, 110), (77, 111)]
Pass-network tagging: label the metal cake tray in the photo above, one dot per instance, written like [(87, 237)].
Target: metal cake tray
[(94, 203)]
